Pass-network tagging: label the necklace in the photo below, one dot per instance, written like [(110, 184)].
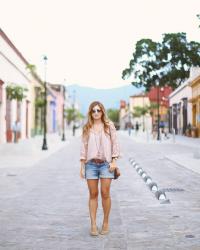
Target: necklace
[(100, 140)]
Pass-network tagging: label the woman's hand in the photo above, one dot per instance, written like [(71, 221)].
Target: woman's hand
[(113, 166), (82, 170)]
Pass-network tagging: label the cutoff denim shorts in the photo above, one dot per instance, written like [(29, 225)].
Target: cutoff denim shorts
[(97, 170)]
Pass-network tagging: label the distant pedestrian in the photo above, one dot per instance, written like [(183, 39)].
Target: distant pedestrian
[(165, 133), (136, 127), (74, 129), (99, 152), (129, 128), (154, 130), (16, 128)]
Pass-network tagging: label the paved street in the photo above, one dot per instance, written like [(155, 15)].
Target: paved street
[(44, 205)]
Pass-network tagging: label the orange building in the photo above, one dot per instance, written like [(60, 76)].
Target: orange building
[(159, 95)]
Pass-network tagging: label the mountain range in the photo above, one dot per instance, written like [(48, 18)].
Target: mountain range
[(109, 97)]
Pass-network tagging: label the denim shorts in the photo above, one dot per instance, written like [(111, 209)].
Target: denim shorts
[(97, 170)]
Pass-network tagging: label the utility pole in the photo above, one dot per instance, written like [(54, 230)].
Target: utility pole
[(158, 102), (44, 146), (73, 107), (63, 120)]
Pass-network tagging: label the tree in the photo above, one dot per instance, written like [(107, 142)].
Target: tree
[(152, 107), (167, 62), (199, 18), (113, 115), (140, 111), (72, 114)]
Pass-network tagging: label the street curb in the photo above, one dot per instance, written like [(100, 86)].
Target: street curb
[(166, 157), (180, 165)]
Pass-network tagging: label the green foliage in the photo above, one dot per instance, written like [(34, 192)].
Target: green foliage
[(153, 105), (31, 68), (73, 115), (40, 97), (79, 116), (140, 111), (167, 62), (113, 115), (199, 18), (69, 113), (16, 92), (40, 102)]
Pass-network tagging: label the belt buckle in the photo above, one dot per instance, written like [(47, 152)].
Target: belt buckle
[(98, 161)]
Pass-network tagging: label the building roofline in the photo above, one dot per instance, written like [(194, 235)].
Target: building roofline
[(139, 95), (182, 86), (8, 60), (193, 81), (19, 54), (8, 41)]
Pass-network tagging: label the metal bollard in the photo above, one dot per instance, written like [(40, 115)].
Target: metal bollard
[(161, 135), (173, 135), (147, 131)]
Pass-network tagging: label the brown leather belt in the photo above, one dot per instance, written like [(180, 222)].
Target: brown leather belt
[(97, 161)]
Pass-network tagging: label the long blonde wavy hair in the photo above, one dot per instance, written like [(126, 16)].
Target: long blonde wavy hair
[(90, 121)]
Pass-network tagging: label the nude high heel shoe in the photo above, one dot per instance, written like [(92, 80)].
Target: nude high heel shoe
[(94, 232)]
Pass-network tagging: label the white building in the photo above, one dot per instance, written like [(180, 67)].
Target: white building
[(13, 71), (180, 107)]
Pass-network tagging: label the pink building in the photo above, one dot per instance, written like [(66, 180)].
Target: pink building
[(55, 108)]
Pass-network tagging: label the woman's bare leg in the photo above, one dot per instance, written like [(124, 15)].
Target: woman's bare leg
[(106, 201), (93, 201)]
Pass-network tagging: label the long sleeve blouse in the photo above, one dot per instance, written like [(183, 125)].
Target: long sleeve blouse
[(109, 145)]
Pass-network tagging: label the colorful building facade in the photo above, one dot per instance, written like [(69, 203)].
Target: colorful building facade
[(195, 102), (141, 100), (14, 73), (158, 97), (29, 111), (55, 108), (180, 108)]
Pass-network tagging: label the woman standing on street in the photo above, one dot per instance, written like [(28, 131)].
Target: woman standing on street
[(99, 152)]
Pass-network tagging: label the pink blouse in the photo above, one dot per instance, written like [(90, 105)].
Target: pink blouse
[(107, 145)]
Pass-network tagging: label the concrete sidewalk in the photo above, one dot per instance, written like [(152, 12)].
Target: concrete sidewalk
[(146, 137), (188, 160), (28, 152)]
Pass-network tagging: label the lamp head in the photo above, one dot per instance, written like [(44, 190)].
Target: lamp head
[(45, 58)]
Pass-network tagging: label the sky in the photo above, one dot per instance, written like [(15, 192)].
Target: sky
[(90, 42)]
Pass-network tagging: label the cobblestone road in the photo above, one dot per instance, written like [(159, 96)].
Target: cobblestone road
[(45, 206)]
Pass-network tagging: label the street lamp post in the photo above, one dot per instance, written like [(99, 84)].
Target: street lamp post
[(129, 123), (73, 105), (63, 120), (44, 146), (143, 94), (158, 103)]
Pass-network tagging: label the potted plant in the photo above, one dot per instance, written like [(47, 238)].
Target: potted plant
[(194, 131), (39, 102), (15, 92), (188, 130)]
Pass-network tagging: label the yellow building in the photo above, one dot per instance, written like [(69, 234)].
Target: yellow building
[(195, 100)]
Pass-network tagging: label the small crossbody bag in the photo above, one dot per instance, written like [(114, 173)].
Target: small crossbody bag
[(117, 170)]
